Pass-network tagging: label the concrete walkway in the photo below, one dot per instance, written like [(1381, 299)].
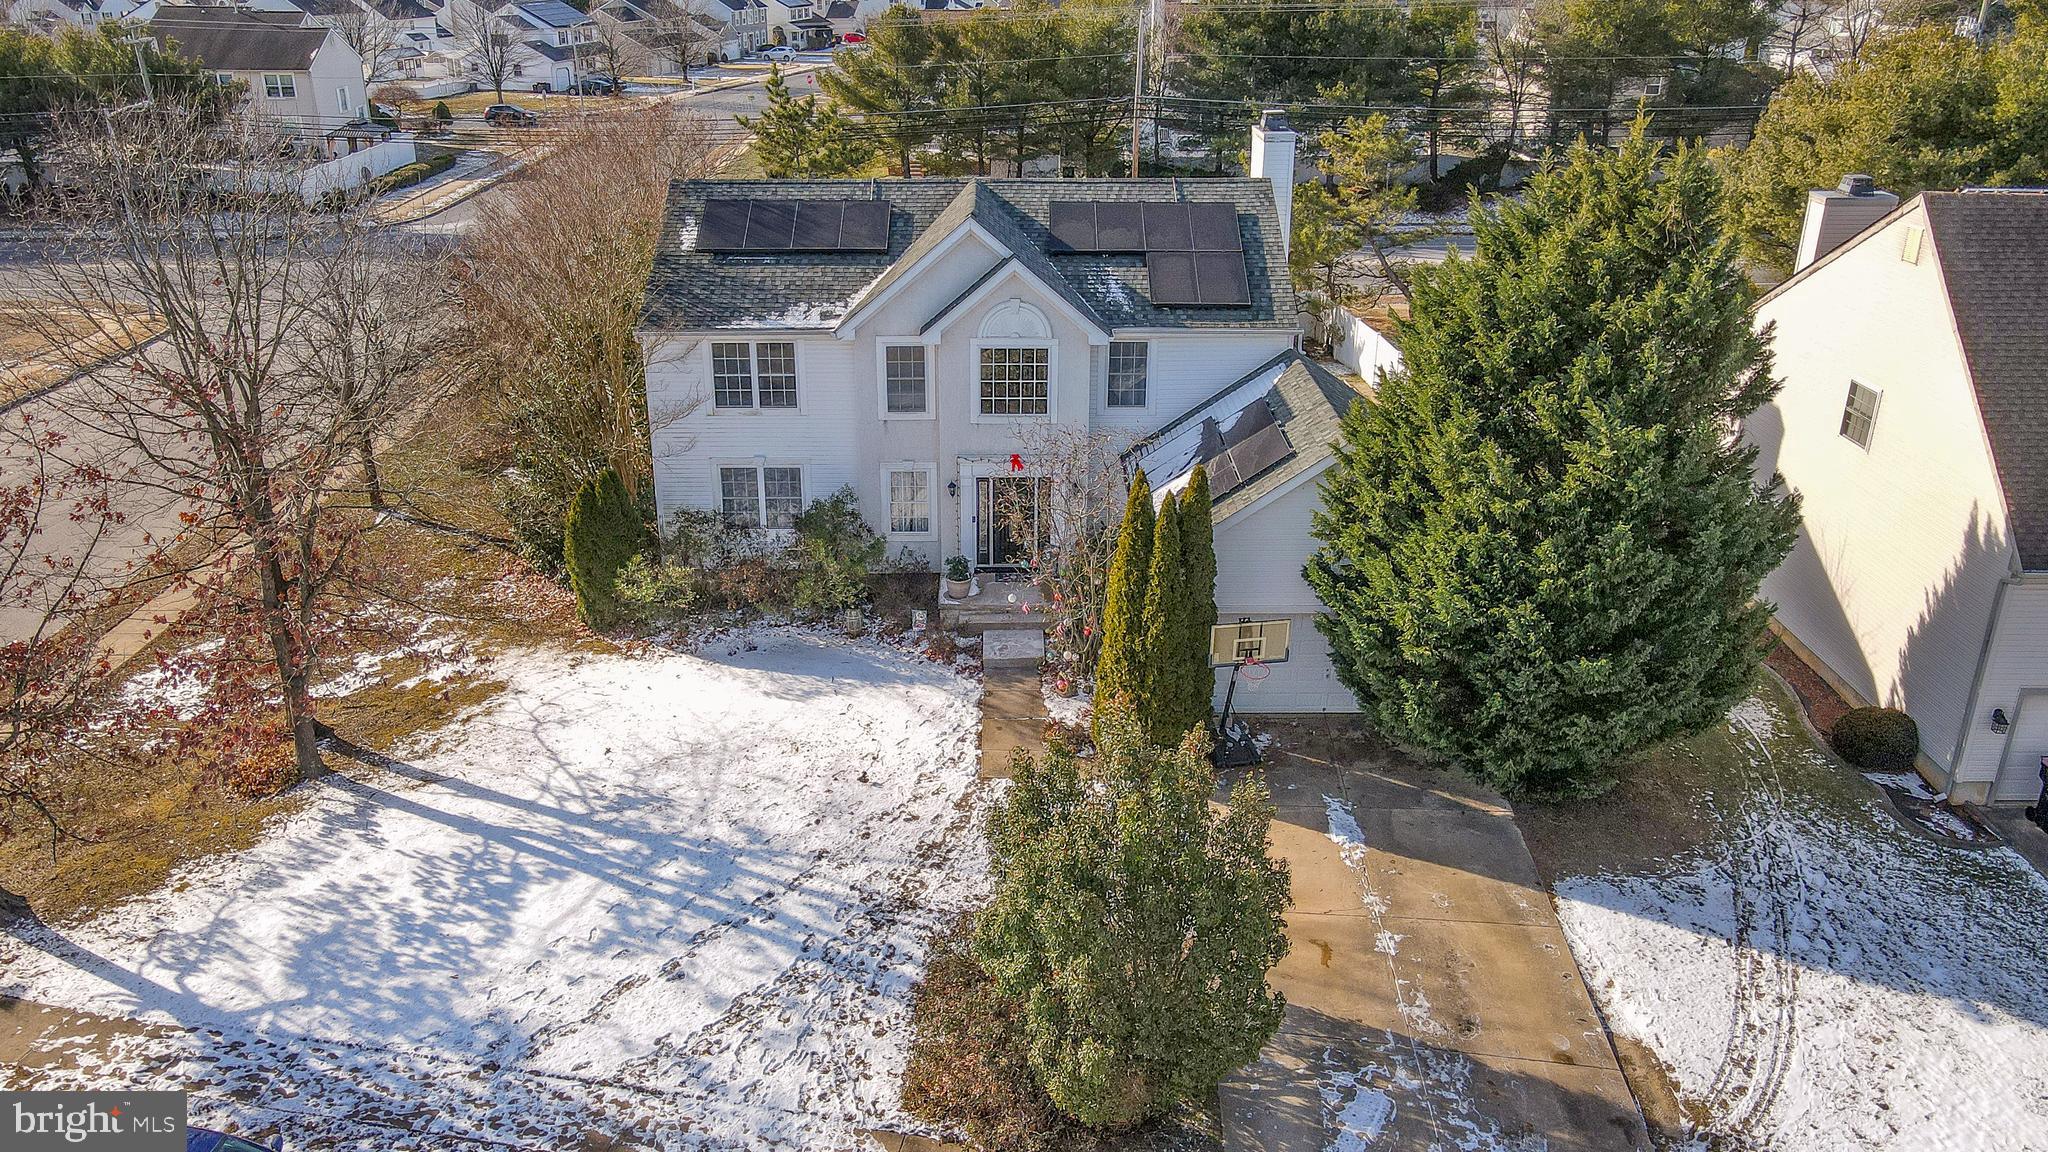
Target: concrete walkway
[(1433, 1001), (1012, 718)]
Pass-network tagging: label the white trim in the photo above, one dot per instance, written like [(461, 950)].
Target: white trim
[(753, 342), (1052, 382), (1144, 409), (1010, 267), (972, 470), (931, 480), (931, 359), (758, 464), (849, 324), (1282, 490)]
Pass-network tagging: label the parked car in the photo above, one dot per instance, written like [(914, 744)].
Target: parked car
[(511, 116), (779, 52), (853, 38), (208, 1140), (597, 86)]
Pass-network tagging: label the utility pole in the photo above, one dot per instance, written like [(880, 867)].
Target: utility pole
[(1983, 18), (1138, 89), (142, 69)]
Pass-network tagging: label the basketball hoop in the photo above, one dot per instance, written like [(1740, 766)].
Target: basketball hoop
[(1254, 670)]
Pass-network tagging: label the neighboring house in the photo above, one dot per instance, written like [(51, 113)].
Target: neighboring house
[(302, 76), (550, 40), (46, 16), (657, 34), (745, 24), (798, 23), (939, 345), (1913, 423)]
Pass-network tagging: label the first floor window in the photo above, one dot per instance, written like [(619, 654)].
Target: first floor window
[(1016, 381), (903, 369), (1859, 414), (782, 495), (910, 502), (739, 497), (750, 497), (279, 87), (1127, 364)]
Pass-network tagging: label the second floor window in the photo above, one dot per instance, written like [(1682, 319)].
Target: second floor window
[(278, 86), (758, 375), (1127, 365), (1859, 415), (903, 368), (1016, 381)]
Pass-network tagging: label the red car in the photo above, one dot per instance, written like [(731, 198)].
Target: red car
[(853, 38)]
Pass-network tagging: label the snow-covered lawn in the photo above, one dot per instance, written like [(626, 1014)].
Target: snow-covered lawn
[(675, 898), (1825, 979)]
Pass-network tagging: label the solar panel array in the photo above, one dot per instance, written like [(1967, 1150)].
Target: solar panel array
[(1236, 455), (1194, 253), (794, 226)]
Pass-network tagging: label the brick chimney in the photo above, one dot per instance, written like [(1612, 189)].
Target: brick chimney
[(1833, 217), (1273, 159)]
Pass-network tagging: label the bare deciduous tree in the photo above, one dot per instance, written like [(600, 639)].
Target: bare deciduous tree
[(373, 38), (486, 46), (551, 288), (206, 226)]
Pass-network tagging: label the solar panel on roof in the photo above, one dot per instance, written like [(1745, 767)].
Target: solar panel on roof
[(1220, 278), (724, 225), (794, 226), (1248, 424), (1215, 227), (1073, 225), (1119, 228), (865, 226), (1173, 278), (817, 226), (1166, 228), (770, 223), (1264, 449)]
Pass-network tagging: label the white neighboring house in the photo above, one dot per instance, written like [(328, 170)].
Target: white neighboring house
[(798, 23), (302, 76), (1913, 424), (934, 343), (744, 24)]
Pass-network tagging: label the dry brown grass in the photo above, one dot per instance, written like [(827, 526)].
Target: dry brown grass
[(140, 817), (41, 345)]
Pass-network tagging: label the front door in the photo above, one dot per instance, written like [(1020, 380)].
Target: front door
[(2019, 778), (1013, 520)]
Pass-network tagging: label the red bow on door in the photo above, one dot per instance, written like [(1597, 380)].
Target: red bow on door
[(1016, 462)]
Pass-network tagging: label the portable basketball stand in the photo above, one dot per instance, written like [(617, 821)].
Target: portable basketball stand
[(1245, 644)]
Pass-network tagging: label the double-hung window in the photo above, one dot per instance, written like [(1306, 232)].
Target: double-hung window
[(278, 86), (1859, 414), (738, 368), (904, 380), (1016, 381), (910, 502), (760, 497), (1127, 366)]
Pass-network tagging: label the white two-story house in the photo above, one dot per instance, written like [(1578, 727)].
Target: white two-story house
[(929, 342), (304, 77), (1913, 423)]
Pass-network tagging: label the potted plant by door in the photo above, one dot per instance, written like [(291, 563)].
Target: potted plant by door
[(959, 581)]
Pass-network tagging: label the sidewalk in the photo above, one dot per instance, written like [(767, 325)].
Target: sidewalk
[(1432, 1000)]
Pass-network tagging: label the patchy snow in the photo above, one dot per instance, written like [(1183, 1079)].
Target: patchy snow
[(824, 314), (1068, 711), (1911, 783), (1358, 1112), (1827, 982), (677, 899)]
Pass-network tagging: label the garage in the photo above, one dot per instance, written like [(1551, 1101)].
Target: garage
[(2019, 774), (1305, 682)]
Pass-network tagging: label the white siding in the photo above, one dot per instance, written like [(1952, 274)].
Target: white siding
[(2015, 668), (1181, 372), (1260, 554), (1892, 579)]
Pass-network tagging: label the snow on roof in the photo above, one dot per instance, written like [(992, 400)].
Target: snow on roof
[(1170, 463)]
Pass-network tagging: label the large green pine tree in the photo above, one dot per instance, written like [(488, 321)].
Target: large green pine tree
[(1119, 669), (602, 532), (1161, 708), (1198, 557), (802, 137), (1133, 923), (1541, 546)]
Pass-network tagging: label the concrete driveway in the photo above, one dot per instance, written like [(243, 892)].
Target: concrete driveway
[(1433, 1002)]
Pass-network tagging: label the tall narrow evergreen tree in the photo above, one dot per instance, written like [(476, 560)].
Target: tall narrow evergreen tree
[(1161, 709), (1542, 543), (1119, 669), (1198, 557)]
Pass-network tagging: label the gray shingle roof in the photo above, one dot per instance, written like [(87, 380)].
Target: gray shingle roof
[(1993, 248), (691, 289), (553, 13), (235, 40), (1307, 402)]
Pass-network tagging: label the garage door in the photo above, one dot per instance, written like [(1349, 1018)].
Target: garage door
[(2020, 777), (1305, 683)]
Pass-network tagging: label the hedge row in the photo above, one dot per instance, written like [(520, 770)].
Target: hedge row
[(410, 174)]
